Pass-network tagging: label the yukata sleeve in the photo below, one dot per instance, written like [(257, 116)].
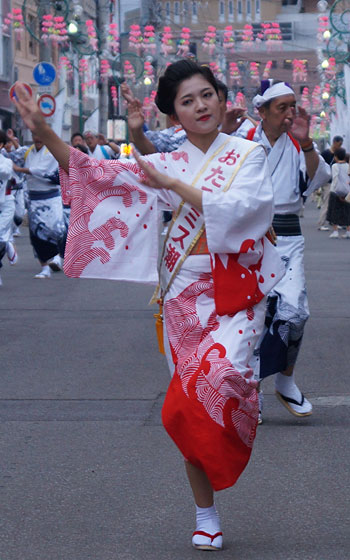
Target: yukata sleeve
[(6, 172), (113, 230), (165, 140), (245, 211), (335, 175), (321, 177), (6, 169)]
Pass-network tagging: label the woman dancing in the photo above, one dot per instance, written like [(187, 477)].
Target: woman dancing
[(216, 267)]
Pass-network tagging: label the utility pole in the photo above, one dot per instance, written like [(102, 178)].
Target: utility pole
[(102, 21)]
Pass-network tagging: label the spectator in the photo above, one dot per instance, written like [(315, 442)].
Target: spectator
[(328, 156), (338, 213), (96, 150)]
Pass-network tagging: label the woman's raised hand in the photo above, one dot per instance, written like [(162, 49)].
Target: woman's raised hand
[(29, 110), (136, 117), (153, 178)]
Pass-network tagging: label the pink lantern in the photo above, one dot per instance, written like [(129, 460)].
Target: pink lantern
[(299, 70), (135, 38), (129, 71), (91, 31), (228, 42), (234, 74), (148, 71), (149, 41), (272, 35), (105, 69), (209, 41), (65, 64), (240, 100), (267, 70), (215, 68), (14, 19), (330, 71), (323, 25), (316, 99), (184, 43), (113, 38), (305, 99), (167, 45), (114, 96), (60, 34), (83, 66), (254, 73), (248, 37)]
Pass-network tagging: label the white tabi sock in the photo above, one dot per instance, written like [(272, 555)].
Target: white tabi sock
[(207, 521), (285, 385)]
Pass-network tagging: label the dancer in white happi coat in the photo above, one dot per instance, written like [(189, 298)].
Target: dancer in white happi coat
[(14, 151), (217, 266), (47, 224), (284, 132), (7, 205)]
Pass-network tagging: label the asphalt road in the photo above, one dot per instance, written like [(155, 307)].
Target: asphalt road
[(87, 471)]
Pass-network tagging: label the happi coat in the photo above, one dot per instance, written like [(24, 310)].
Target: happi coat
[(211, 408), (288, 309), (7, 203)]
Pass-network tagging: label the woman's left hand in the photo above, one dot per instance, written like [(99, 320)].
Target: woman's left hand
[(154, 178)]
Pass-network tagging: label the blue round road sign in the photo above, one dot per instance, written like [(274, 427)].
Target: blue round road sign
[(44, 73)]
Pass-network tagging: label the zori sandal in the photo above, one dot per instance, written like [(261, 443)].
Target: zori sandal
[(302, 408), (205, 541)]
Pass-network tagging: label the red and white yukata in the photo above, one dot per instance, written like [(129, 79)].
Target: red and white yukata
[(211, 407)]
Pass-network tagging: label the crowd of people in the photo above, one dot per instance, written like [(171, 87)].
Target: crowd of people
[(334, 196), (231, 277), (30, 186)]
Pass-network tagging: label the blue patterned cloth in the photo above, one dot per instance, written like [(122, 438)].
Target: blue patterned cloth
[(168, 139)]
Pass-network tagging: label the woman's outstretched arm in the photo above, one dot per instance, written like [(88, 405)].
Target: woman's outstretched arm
[(35, 121)]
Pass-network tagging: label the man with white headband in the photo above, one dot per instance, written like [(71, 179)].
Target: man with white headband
[(284, 131)]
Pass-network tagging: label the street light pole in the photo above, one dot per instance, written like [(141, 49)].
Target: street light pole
[(102, 20)]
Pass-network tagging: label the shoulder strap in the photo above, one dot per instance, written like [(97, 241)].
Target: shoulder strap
[(250, 134), (28, 151), (105, 153), (295, 142)]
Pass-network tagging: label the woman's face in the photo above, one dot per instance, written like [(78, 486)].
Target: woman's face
[(197, 106)]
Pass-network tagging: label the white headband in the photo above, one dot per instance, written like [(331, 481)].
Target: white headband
[(270, 93)]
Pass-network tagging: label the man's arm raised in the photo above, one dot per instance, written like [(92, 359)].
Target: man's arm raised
[(35, 121)]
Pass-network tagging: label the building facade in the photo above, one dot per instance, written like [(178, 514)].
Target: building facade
[(6, 69)]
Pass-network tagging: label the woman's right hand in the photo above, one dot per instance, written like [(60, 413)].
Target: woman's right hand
[(136, 118), (29, 110)]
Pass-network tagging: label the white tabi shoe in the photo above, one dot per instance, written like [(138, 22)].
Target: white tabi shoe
[(300, 409), (205, 541), (56, 263), (11, 253), (45, 273)]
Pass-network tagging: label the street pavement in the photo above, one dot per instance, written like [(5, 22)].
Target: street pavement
[(87, 471)]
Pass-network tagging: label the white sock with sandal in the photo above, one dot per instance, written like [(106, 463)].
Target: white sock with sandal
[(208, 535)]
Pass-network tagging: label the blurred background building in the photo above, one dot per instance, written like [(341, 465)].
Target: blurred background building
[(243, 41)]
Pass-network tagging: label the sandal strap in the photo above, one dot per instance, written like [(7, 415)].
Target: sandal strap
[(293, 401), (204, 534)]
